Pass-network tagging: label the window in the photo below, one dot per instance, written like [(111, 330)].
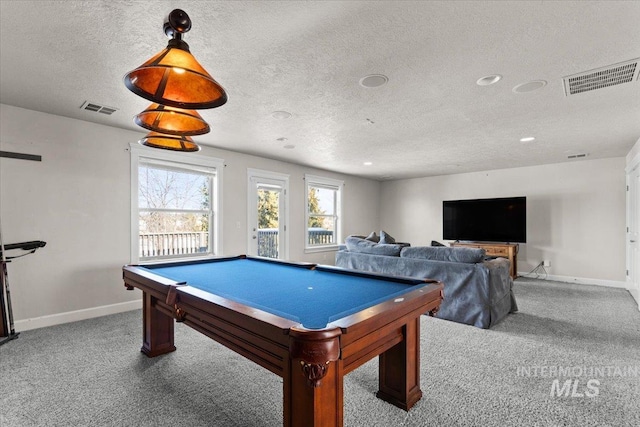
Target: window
[(174, 201), (322, 219)]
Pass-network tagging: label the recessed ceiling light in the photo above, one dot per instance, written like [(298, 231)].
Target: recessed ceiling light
[(373, 80), (527, 139), (488, 80), (289, 146), (530, 86), (280, 114), (281, 139), (367, 163)]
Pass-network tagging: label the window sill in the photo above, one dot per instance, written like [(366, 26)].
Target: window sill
[(311, 250)]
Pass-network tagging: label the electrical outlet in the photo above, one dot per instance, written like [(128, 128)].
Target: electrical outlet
[(546, 263)]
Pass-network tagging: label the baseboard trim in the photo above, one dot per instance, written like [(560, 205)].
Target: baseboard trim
[(74, 316), (635, 292), (578, 280)]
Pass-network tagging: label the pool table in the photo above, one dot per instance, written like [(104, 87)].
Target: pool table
[(307, 323)]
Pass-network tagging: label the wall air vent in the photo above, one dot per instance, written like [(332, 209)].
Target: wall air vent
[(92, 106), (624, 72), (577, 156)]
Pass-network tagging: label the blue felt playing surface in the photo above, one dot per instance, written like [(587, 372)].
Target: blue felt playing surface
[(311, 297)]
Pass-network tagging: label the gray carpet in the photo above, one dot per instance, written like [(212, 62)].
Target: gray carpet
[(91, 373)]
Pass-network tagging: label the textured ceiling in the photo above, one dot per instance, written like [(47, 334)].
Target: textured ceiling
[(308, 57)]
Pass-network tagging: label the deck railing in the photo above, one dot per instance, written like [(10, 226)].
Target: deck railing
[(268, 240), (321, 236), (168, 244), (188, 243)]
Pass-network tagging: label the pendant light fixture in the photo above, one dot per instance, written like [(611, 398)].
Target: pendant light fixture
[(177, 85), (171, 120), (173, 77), (169, 142)]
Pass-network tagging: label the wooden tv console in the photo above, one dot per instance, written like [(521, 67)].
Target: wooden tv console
[(504, 250)]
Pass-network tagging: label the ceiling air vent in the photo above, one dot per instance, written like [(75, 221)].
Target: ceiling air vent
[(577, 156), (624, 72), (92, 106)]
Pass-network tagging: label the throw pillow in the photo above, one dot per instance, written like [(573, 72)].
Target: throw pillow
[(373, 237), (364, 246), (356, 235), (386, 238)]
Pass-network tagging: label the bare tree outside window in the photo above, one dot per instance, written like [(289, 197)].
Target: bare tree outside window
[(174, 211)]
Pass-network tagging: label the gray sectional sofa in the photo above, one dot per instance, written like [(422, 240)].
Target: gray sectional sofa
[(477, 291)]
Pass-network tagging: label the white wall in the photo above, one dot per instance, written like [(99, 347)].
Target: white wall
[(78, 201), (575, 214), (361, 198), (633, 153)]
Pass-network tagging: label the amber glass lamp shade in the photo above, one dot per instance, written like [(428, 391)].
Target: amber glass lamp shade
[(169, 142), (171, 120), (173, 77)]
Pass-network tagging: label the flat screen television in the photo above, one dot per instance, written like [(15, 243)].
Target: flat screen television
[(485, 220)]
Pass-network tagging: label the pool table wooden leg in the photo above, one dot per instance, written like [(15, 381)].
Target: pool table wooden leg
[(307, 406), (399, 369), (157, 328)]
